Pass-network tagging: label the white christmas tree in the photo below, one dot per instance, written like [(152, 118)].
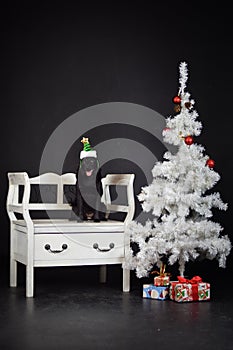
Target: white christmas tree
[(179, 199)]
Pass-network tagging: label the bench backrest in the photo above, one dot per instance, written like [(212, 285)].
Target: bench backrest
[(15, 204)]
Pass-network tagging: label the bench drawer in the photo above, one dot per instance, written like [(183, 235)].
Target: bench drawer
[(55, 247)]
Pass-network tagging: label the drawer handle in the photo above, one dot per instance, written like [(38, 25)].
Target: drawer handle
[(54, 251), (102, 250)]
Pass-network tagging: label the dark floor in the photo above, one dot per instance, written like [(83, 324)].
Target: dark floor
[(83, 314)]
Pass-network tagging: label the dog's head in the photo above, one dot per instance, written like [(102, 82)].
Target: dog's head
[(89, 166)]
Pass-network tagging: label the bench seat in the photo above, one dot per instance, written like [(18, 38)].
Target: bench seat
[(66, 225)]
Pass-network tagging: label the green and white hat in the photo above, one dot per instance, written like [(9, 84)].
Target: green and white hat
[(87, 150)]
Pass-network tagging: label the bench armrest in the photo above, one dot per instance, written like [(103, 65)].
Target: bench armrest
[(13, 204), (119, 180)]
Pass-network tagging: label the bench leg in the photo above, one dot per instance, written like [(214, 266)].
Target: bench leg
[(29, 281), (126, 280), (13, 273), (13, 262), (103, 274)]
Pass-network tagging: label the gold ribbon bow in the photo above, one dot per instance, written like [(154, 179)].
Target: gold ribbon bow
[(161, 271)]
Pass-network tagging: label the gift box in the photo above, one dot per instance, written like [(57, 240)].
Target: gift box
[(155, 292), (185, 290), (161, 281)]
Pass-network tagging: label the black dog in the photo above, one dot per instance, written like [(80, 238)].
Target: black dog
[(87, 204)]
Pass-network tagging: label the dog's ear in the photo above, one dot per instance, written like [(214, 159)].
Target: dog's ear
[(78, 168)]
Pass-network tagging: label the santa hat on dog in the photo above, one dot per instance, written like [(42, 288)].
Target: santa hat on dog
[(87, 150)]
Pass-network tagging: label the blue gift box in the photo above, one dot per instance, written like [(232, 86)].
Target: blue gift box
[(155, 292)]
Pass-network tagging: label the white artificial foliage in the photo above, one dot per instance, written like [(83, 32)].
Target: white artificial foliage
[(179, 200)]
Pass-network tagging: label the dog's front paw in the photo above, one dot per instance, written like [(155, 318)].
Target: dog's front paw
[(73, 216), (80, 218), (96, 217)]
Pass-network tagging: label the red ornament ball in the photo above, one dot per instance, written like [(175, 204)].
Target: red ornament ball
[(188, 140), (176, 99), (166, 129), (210, 163)]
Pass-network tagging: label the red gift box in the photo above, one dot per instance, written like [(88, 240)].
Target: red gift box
[(161, 281), (185, 290)]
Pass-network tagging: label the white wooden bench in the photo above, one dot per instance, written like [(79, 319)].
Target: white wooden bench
[(38, 242)]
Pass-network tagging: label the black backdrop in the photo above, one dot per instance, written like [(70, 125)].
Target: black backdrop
[(59, 58)]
